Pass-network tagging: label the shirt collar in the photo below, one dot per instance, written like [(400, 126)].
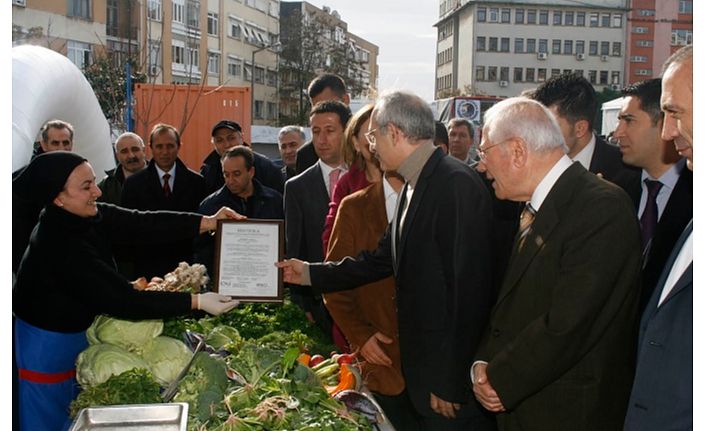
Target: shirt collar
[(326, 169), (387, 188), (586, 154), (670, 177), (171, 171), (412, 166), (547, 183)]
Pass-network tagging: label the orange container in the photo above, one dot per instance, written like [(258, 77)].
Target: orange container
[(193, 110)]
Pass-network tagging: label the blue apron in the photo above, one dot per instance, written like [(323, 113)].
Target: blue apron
[(46, 363)]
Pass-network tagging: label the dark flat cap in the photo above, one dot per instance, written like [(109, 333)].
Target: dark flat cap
[(226, 124), (45, 176)]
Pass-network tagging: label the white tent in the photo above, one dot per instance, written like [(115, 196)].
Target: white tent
[(610, 110), (45, 86)]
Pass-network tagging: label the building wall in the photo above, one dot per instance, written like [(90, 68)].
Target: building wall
[(489, 61)]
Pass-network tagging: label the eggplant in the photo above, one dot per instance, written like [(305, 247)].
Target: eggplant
[(361, 403)]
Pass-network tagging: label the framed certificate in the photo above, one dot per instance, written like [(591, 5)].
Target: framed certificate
[(246, 252)]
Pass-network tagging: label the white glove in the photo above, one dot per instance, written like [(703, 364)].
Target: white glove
[(215, 304)]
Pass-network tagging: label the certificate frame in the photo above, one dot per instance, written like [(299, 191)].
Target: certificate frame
[(226, 281)]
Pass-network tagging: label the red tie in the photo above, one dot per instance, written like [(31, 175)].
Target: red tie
[(333, 180), (165, 187)]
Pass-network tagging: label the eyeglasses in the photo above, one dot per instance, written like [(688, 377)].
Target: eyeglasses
[(481, 151), (370, 137)]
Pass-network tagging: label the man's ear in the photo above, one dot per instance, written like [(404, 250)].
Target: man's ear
[(58, 202), (518, 152), (581, 128), (347, 99)]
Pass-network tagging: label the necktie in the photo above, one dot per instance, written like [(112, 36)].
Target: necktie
[(332, 181), (165, 187), (526, 219), (400, 209), (648, 220)]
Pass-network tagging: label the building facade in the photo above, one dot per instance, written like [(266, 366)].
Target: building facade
[(501, 48), (656, 29), (317, 40), (198, 42)]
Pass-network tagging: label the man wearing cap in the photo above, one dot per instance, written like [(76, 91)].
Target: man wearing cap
[(225, 135)]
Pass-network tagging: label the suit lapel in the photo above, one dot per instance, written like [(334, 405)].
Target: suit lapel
[(395, 227), (544, 224)]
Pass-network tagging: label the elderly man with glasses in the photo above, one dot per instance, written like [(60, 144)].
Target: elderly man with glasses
[(558, 352), (437, 250)]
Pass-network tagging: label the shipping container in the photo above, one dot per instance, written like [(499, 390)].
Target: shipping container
[(193, 110)]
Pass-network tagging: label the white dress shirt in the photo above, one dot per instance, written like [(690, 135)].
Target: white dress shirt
[(326, 171), (586, 155), (669, 181), (390, 199), (171, 173)]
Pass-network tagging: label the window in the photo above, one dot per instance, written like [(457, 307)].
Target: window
[(480, 15), (529, 74), (517, 74), (543, 45), (519, 16), (646, 12), (519, 45), (543, 17), (247, 72), (605, 48), (556, 72), (682, 37), (492, 73), (193, 14), (556, 46), (154, 10), (178, 54), (193, 56), (258, 109), (493, 44), (79, 53), (234, 29), (566, 72), (111, 19), (578, 72), (155, 59), (505, 15), (178, 11), (235, 67), (212, 24), (686, 6), (592, 76), (214, 63), (271, 78), (259, 75), (638, 59), (557, 17), (79, 9), (604, 77), (617, 20), (480, 43), (640, 30), (541, 75), (593, 19), (493, 14), (480, 73), (568, 18), (531, 16), (581, 19), (615, 77), (568, 47), (271, 111), (605, 20), (504, 73), (531, 46), (505, 44), (643, 72), (593, 48), (645, 43), (616, 51), (580, 47)]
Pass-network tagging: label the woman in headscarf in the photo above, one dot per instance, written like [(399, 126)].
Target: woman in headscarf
[(67, 277)]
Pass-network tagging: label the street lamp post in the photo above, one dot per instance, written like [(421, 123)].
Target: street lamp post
[(252, 77)]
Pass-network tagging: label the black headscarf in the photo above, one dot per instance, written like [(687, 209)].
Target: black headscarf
[(45, 176)]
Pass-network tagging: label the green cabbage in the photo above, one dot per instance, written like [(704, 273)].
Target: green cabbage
[(222, 335), (97, 363), (166, 357), (128, 334)]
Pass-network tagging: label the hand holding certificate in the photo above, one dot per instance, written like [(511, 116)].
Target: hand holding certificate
[(245, 251)]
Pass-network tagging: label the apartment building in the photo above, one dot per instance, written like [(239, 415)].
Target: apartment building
[(210, 42), (656, 29), (500, 48), (317, 40)]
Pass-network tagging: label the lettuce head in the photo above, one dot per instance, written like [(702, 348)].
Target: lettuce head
[(166, 357), (128, 334), (98, 362)]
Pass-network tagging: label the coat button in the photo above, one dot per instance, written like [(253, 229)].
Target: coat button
[(655, 344), (496, 332)]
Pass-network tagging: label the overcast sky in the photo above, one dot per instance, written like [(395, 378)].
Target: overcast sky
[(403, 31)]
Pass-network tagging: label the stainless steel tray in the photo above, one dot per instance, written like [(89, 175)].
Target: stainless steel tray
[(134, 417)]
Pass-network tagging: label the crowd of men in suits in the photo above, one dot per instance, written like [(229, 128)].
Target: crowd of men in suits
[(540, 278)]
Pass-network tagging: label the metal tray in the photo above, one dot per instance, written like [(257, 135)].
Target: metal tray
[(134, 417)]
